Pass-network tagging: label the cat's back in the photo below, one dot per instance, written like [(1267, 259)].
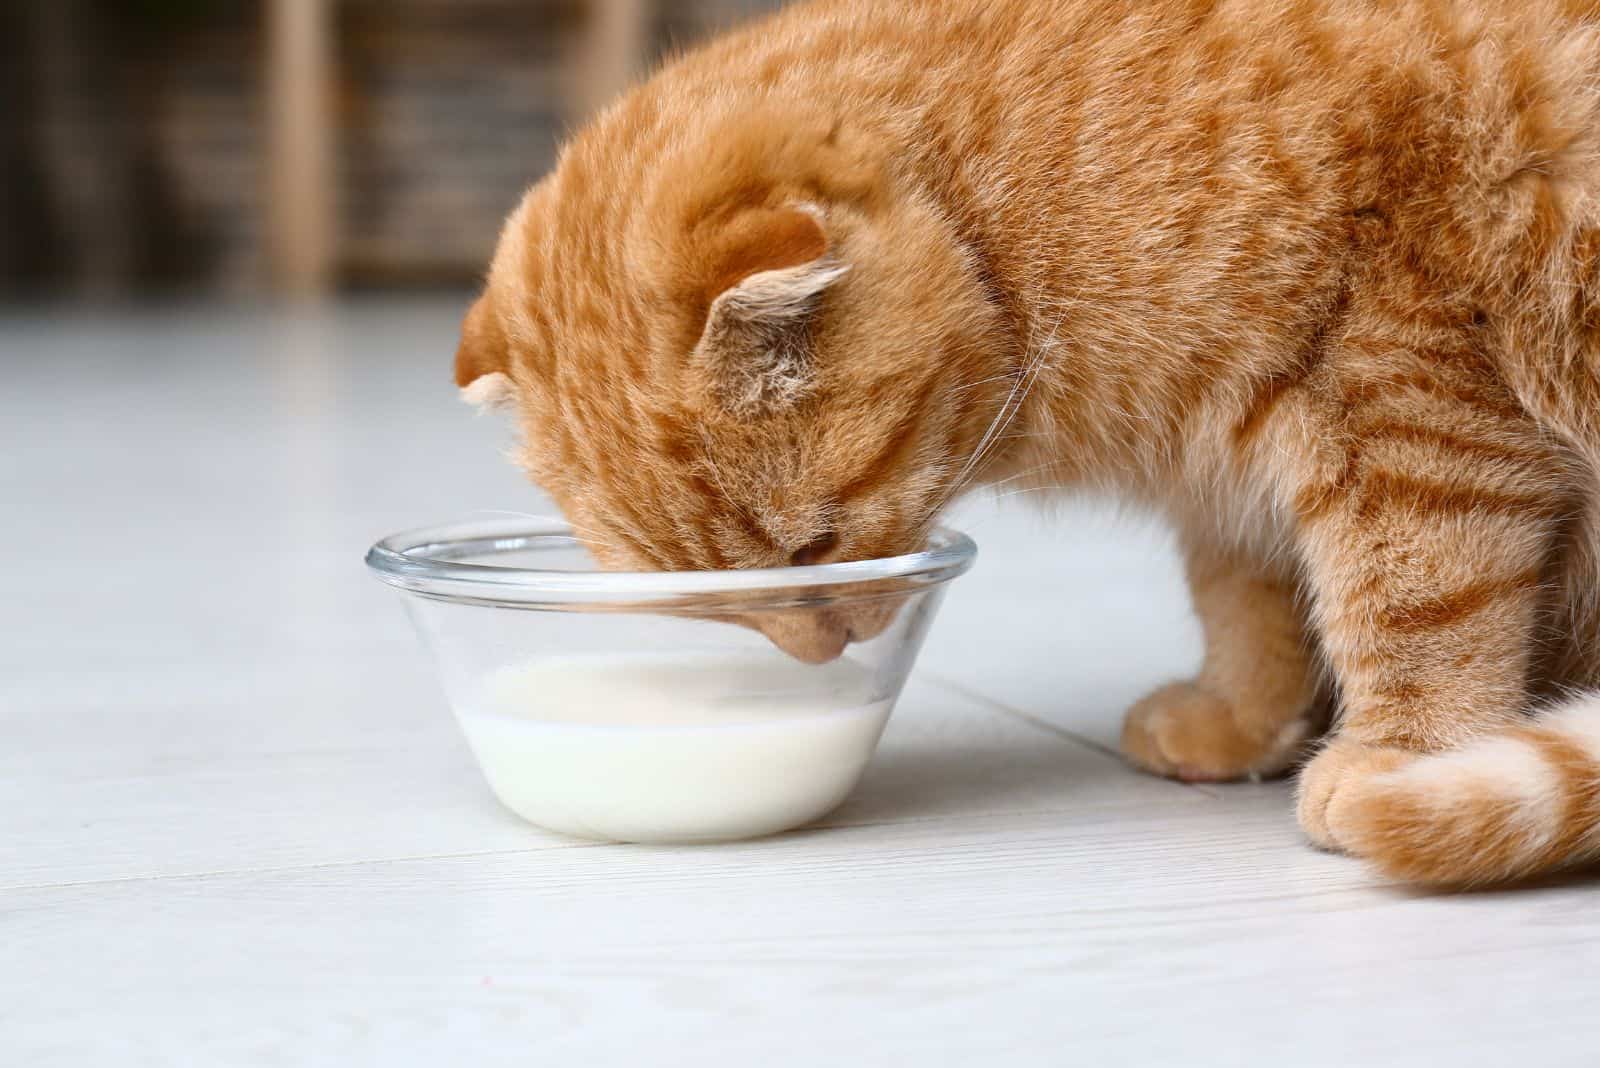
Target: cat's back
[(1036, 83)]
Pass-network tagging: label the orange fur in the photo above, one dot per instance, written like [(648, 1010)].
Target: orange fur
[(1318, 279)]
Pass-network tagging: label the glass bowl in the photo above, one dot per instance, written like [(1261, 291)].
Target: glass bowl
[(659, 706)]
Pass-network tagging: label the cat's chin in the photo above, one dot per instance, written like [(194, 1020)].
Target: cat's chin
[(820, 635), (810, 637)]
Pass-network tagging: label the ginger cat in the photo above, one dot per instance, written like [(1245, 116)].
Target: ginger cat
[(1317, 279)]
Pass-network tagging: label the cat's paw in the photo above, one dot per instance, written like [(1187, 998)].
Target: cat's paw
[(1184, 731), (1333, 789)]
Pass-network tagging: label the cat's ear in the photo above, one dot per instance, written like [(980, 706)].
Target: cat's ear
[(482, 359), (772, 268)]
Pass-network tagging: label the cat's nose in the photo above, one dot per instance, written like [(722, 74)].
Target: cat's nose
[(818, 551)]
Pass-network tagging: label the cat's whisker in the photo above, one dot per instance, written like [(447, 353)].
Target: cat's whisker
[(996, 430), (1024, 491), (945, 499), (997, 424), (1030, 471), (1008, 412), (965, 386)]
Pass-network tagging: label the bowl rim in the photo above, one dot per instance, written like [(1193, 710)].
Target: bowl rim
[(410, 560)]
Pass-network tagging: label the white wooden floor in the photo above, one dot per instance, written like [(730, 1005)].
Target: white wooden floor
[(237, 825)]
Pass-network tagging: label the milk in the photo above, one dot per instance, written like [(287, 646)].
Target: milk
[(674, 749)]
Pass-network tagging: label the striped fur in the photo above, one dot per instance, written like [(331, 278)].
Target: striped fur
[(1505, 807), (1317, 279)]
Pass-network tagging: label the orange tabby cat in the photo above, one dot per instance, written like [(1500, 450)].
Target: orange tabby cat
[(1318, 279)]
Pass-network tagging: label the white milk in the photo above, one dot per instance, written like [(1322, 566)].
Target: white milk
[(658, 749)]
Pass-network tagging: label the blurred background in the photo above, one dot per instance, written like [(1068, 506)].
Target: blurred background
[(234, 148)]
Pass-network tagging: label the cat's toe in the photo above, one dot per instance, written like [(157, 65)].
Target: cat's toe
[(1332, 787), (1184, 731)]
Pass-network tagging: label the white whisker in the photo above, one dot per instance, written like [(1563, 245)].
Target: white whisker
[(1003, 418), (997, 431), (1030, 471), (1024, 491)]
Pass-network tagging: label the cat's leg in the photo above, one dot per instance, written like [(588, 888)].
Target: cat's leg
[(1255, 702), (1425, 530)]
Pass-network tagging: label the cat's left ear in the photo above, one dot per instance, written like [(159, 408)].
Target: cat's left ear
[(772, 268), (482, 359)]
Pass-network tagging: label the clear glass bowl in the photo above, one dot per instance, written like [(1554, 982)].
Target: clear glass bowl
[(652, 707)]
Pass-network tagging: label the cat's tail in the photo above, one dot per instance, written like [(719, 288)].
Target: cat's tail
[(1504, 807)]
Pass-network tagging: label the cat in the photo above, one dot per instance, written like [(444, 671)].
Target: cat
[(1318, 280)]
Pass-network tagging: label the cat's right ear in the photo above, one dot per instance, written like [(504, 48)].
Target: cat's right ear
[(482, 359), (771, 270)]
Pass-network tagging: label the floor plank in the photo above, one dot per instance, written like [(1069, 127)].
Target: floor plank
[(1141, 934)]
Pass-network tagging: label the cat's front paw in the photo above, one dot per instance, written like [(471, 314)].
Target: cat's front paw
[(1333, 787), (1184, 731)]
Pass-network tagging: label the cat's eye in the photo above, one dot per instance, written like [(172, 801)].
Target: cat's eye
[(817, 552)]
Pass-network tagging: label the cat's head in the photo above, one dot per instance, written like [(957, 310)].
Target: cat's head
[(737, 342)]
